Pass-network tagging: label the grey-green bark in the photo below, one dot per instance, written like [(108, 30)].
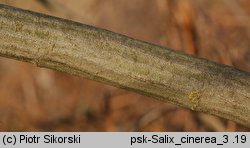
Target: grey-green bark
[(114, 59)]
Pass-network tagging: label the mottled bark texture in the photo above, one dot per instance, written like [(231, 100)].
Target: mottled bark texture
[(111, 58)]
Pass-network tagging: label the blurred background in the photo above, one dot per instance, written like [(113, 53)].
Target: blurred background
[(37, 99)]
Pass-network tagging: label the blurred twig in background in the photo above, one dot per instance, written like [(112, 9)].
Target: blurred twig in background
[(45, 3)]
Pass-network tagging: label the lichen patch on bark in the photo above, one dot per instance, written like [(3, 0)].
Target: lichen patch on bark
[(194, 99)]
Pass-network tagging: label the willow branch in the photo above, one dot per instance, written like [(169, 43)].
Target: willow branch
[(114, 59)]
